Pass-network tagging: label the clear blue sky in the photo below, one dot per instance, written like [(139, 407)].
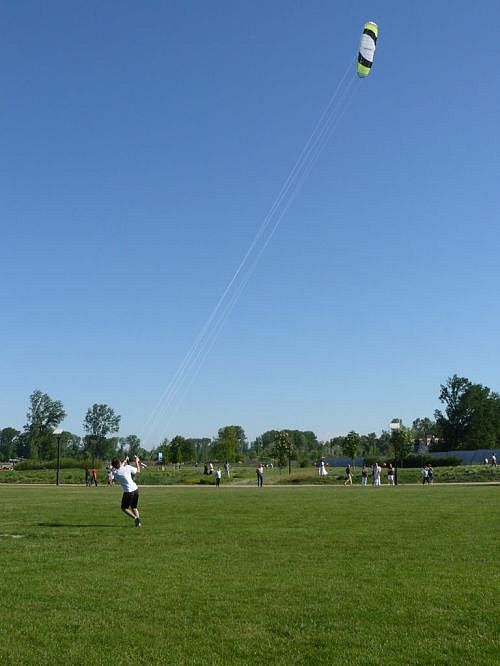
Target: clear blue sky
[(143, 144)]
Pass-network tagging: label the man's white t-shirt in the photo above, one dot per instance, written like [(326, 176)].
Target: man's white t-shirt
[(125, 477)]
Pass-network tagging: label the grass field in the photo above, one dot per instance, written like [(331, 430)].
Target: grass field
[(245, 474), (240, 575)]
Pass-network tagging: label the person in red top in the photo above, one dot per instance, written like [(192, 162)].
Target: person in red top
[(94, 475)]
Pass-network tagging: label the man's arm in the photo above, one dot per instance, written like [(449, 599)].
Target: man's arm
[(138, 464)]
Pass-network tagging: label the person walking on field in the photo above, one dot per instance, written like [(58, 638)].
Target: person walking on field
[(390, 475), (218, 476), (364, 476), (348, 476), (125, 475), (260, 475)]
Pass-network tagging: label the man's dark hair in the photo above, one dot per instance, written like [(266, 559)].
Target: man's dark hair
[(116, 463)]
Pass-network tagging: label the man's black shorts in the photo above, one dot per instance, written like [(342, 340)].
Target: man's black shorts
[(130, 500)]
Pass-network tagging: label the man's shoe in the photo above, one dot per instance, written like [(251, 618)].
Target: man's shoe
[(137, 522)]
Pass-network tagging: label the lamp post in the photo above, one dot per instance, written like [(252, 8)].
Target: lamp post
[(395, 426), (58, 432)]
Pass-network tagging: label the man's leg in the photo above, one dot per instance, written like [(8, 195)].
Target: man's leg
[(130, 513), (129, 506)]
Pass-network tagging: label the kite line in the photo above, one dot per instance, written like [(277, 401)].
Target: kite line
[(192, 362)]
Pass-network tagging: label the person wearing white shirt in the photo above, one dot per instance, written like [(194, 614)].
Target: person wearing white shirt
[(125, 475), (218, 476)]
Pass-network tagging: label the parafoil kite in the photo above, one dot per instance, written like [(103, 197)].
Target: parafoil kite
[(367, 48)]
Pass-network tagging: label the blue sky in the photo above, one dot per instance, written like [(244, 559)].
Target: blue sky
[(143, 145)]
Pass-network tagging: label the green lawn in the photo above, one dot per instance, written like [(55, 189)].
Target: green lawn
[(240, 575), (245, 474)]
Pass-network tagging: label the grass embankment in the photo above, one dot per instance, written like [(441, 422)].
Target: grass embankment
[(249, 576), (244, 474)]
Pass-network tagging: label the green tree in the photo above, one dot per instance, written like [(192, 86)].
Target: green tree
[(368, 444), (71, 445), (201, 448), (423, 427), (164, 448), (334, 445), (304, 442), (350, 444), (472, 415), (177, 449), (131, 446), (384, 442), (401, 442), (8, 443), (264, 444), (100, 421), (284, 449), (423, 431), (43, 416), (229, 442)]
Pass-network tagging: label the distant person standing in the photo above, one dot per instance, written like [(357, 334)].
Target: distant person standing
[(425, 474), (493, 460), (430, 474), (94, 476), (260, 475), (390, 475), (376, 472), (364, 476), (87, 476), (218, 476), (227, 469), (322, 471), (348, 476), (125, 475)]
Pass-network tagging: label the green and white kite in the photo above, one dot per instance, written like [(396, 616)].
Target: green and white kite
[(367, 48)]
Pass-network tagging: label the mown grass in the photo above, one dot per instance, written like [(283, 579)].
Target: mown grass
[(245, 474), (280, 575)]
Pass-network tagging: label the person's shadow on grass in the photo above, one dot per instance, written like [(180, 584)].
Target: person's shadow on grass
[(54, 524)]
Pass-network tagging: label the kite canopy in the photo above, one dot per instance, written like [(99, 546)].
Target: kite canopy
[(367, 49)]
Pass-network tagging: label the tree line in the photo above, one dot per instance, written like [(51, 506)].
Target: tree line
[(470, 419)]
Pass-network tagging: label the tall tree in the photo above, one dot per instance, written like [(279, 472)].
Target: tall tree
[(43, 416), (180, 449), (131, 446), (472, 415), (284, 449), (8, 443), (350, 444), (423, 430), (368, 444), (230, 444), (71, 445), (201, 447), (100, 421), (265, 442), (401, 441)]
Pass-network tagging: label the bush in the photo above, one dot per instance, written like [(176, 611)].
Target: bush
[(65, 463), (419, 460)]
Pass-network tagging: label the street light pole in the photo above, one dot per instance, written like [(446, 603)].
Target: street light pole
[(395, 426), (58, 432)]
